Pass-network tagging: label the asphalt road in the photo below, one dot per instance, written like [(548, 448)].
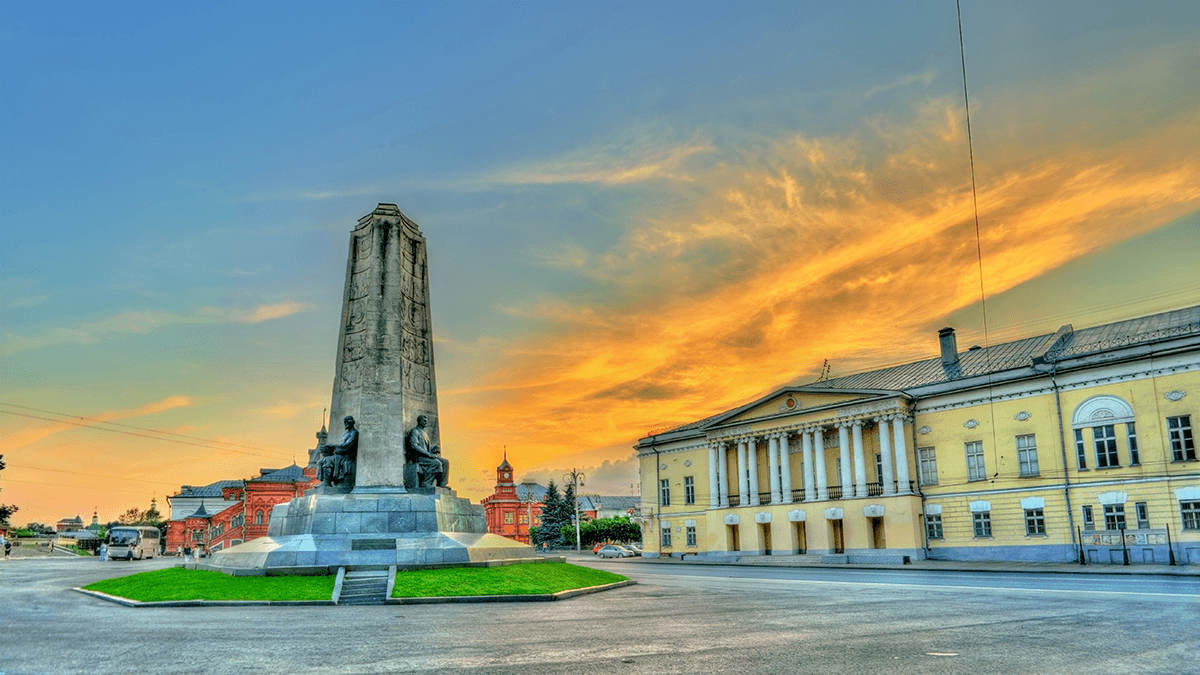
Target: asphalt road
[(678, 619)]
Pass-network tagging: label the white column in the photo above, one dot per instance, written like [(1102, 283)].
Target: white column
[(743, 489), (885, 455), (822, 475), (844, 448), (714, 490), (773, 468), (860, 461), (901, 454), (723, 457), (810, 481), (785, 468), (752, 463)]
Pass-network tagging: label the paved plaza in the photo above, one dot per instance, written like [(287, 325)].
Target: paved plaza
[(679, 618)]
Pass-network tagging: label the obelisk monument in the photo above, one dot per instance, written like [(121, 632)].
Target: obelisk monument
[(385, 376)]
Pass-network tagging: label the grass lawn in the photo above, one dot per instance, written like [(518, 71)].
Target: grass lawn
[(180, 584), (520, 579)]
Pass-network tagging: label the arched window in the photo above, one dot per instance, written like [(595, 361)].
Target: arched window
[(258, 517), (1103, 414)]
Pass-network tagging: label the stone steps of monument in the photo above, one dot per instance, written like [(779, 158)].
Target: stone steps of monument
[(364, 588)]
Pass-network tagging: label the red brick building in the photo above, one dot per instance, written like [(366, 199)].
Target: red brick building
[(242, 508), (511, 508)]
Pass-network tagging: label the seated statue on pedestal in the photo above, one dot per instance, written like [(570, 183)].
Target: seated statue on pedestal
[(431, 469), (335, 469)]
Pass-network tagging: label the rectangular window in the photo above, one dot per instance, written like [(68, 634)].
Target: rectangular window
[(975, 467), (523, 519), (983, 524), (1131, 433), (1190, 513), (664, 492), (928, 466), (1089, 523), (1105, 438), (1114, 516), (1080, 450), (933, 526), (691, 536), (689, 490), (1143, 515), (508, 518), (666, 537), (1027, 455), (879, 468), (1183, 446), (1035, 521)]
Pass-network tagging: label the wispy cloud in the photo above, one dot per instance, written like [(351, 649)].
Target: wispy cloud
[(637, 156), (143, 322)]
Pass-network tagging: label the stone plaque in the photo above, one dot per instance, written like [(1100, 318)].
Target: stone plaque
[(372, 544)]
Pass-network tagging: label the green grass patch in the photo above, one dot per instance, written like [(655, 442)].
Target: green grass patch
[(181, 584), (520, 579)]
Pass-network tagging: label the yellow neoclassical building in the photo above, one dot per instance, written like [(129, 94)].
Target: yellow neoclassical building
[(1076, 443)]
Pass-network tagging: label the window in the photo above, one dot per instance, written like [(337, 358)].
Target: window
[(1080, 450), (508, 518), (537, 520), (1183, 446), (666, 537), (1105, 438), (1027, 455), (928, 466), (879, 468), (258, 517), (1035, 521), (1143, 515), (664, 492), (1114, 516), (1190, 513), (691, 536), (523, 519), (689, 490), (1089, 523), (983, 524), (933, 526), (975, 467), (1131, 432)]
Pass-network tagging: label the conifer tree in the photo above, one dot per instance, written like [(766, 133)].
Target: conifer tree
[(548, 532)]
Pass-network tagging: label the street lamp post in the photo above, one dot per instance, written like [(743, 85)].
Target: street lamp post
[(575, 478)]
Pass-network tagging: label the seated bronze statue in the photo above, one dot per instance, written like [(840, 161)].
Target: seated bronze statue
[(431, 469), (335, 469)]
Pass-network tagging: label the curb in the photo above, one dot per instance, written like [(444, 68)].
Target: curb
[(201, 603), (541, 597), (1138, 570)]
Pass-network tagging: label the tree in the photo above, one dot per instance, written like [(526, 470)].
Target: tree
[(6, 510), (552, 520), (131, 517)]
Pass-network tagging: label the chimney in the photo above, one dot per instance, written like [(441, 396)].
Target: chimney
[(949, 353)]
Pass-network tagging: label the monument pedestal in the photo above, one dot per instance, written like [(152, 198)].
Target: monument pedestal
[(317, 534)]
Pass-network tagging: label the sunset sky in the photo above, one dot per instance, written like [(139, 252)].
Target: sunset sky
[(638, 214)]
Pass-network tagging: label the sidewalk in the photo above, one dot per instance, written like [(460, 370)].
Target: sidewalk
[(925, 565)]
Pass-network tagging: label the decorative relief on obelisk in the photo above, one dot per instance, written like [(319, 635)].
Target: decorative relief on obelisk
[(385, 373)]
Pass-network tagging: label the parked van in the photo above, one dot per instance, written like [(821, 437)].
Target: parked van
[(132, 542)]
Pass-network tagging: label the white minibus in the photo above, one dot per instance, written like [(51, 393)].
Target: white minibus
[(132, 542)]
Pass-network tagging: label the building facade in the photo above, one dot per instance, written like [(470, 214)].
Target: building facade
[(1056, 447)]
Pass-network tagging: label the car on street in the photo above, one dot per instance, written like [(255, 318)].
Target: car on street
[(613, 551)]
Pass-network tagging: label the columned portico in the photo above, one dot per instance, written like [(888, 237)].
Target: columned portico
[(773, 468), (860, 463), (822, 475), (714, 489), (885, 455), (723, 458), (844, 448), (743, 476), (785, 467), (810, 481), (752, 464), (901, 452)]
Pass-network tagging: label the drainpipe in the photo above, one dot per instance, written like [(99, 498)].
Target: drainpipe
[(1062, 444), (917, 477)]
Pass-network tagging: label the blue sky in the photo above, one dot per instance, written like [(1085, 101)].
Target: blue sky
[(637, 215)]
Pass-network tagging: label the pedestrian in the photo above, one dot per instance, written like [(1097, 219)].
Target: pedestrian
[(103, 552), (7, 546)]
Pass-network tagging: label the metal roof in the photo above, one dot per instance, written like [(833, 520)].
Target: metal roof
[(210, 490), (289, 474)]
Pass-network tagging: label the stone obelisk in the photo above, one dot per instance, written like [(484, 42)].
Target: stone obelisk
[(385, 375)]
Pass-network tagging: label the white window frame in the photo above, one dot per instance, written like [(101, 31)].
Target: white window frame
[(1183, 442), (689, 490), (928, 465), (691, 536), (666, 537), (1114, 514), (1089, 518), (1104, 440), (983, 524), (1142, 511), (977, 469), (1027, 458), (1189, 514), (664, 492), (933, 526), (1035, 522)]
